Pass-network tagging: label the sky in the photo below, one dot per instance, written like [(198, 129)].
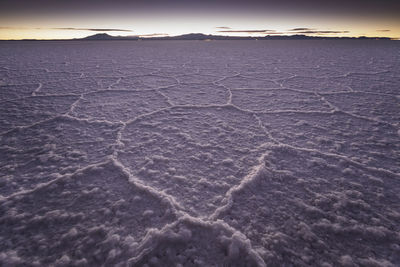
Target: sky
[(58, 19)]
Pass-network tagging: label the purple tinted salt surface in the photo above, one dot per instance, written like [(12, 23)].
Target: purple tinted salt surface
[(191, 153)]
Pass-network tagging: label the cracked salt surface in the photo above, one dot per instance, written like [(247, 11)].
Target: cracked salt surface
[(188, 153)]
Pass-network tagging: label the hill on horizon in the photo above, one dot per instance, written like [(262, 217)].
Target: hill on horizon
[(201, 36)]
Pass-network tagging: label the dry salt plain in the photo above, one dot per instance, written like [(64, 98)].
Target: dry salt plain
[(192, 153)]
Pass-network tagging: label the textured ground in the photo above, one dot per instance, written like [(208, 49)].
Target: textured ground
[(191, 153)]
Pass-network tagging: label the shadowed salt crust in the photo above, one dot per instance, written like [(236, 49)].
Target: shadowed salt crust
[(188, 153)]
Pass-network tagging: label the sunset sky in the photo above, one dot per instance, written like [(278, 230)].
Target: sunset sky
[(46, 19)]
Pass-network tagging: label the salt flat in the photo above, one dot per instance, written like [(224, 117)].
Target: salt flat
[(193, 153)]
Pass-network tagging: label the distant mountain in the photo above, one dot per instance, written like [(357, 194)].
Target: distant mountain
[(105, 36), (99, 36), (200, 36), (190, 36)]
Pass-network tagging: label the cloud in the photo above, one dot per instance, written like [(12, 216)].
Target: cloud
[(223, 27), (301, 29), (247, 31), (153, 35), (13, 28), (276, 33), (313, 31), (321, 32), (383, 30), (68, 29), (93, 29)]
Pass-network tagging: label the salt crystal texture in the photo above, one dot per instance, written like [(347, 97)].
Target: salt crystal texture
[(190, 153)]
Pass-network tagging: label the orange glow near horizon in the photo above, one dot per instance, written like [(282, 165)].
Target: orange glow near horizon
[(173, 24)]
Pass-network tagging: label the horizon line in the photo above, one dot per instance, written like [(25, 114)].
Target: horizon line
[(158, 37)]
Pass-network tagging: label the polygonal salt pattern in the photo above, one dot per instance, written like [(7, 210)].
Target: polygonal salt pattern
[(196, 157), (9, 92), (29, 110), (38, 154), (239, 82), (144, 82), (313, 72), (93, 217), (175, 71), (197, 78), (383, 83), (338, 212), (192, 242), (227, 153), (312, 84), (366, 141), (278, 99), (272, 76), (371, 105), (197, 94), (37, 78), (116, 106)]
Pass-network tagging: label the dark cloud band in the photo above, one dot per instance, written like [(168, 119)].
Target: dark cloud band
[(246, 31), (321, 32), (69, 29), (93, 29), (301, 29)]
